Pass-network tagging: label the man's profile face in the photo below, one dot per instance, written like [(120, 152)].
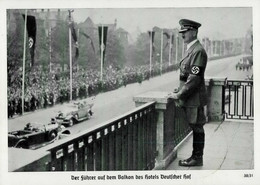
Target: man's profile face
[(188, 36)]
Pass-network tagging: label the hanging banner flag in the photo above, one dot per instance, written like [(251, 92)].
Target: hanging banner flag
[(74, 35), (31, 30), (151, 34), (102, 45), (91, 41), (169, 38), (166, 34), (172, 39)]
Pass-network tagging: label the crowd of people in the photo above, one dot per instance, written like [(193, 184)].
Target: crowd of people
[(245, 63), (243, 66), (44, 89)]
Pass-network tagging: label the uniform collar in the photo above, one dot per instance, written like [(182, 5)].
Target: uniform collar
[(191, 43), (190, 49)]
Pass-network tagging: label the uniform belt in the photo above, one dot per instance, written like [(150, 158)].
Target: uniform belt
[(183, 78)]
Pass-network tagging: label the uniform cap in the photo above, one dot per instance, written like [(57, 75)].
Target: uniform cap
[(187, 24)]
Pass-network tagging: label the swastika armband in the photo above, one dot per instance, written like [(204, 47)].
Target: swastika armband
[(197, 70)]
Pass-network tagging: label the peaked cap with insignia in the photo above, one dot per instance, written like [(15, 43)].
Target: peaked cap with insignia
[(187, 24)]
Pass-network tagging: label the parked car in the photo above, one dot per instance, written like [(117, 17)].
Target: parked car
[(74, 112), (35, 135)]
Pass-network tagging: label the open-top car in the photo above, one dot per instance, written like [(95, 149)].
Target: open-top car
[(74, 112), (35, 135)]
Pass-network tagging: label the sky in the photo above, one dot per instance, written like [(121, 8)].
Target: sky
[(217, 23)]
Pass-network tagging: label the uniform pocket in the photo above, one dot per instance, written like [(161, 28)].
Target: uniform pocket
[(184, 67)]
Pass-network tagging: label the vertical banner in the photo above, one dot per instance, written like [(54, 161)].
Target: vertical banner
[(102, 40), (72, 33), (74, 36), (161, 60), (151, 37), (89, 38), (102, 33), (31, 30), (170, 49), (169, 37)]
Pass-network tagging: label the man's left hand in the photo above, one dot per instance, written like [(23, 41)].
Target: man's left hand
[(174, 96)]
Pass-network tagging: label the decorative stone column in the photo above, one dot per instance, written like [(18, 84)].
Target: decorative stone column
[(216, 99), (165, 114)]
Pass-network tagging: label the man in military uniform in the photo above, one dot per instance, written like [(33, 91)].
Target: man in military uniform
[(191, 94)]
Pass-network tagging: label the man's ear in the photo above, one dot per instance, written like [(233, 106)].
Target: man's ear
[(194, 33)]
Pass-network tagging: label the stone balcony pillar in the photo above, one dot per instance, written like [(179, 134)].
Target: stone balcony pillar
[(216, 98), (165, 126)]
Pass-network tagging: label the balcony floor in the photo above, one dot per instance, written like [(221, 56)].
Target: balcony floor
[(228, 146)]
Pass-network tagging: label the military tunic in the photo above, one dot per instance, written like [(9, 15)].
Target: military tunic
[(192, 90)]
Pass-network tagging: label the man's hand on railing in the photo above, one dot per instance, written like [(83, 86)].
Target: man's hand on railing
[(174, 95)]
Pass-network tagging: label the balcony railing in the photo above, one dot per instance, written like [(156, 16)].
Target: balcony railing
[(239, 99), (181, 126), (142, 139), (125, 143)]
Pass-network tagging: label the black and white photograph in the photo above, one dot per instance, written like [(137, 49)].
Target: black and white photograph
[(129, 92)]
